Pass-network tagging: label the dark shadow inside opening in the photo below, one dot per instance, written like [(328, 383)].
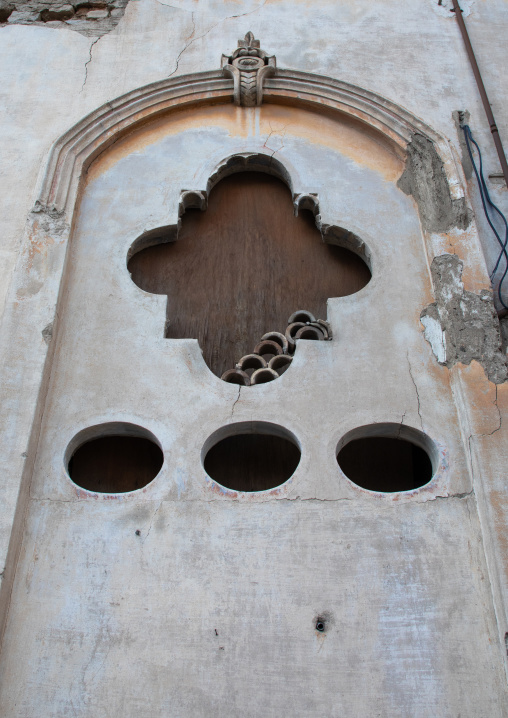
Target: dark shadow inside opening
[(252, 462), (115, 464), (385, 464)]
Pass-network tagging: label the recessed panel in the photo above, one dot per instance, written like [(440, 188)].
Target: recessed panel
[(240, 268)]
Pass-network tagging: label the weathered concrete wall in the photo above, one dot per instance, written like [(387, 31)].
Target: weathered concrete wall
[(43, 70), (50, 77), (184, 599), (399, 575), (217, 619)]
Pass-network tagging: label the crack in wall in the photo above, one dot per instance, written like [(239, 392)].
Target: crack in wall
[(463, 495), (188, 43), (401, 422), (88, 62), (282, 134), (498, 428), (236, 401), (499, 414), (174, 7), (191, 40), (151, 521), (377, 500), (416, 390)]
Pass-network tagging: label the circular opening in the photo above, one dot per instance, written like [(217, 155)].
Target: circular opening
[(387, 458), (255, 457), (114, 458)]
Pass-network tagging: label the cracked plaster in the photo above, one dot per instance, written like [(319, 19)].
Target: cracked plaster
[(424, 178), (409, 600), (462, 326)]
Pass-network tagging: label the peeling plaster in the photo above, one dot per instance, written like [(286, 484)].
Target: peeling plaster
[(434, 333), (425, 179), (88, 17), (444, 8), (461, 326)]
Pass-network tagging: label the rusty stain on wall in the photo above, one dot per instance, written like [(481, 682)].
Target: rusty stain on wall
[(270, 121)]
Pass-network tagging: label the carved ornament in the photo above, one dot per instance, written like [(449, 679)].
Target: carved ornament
[(248, 66)]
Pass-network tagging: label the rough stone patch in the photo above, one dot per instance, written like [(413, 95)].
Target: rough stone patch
[(92, 18), (424, 178), (461, 326)]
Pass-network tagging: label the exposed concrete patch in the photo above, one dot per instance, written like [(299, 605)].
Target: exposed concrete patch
[(49, 219), (92, 18), (424, 178), (461, 326)]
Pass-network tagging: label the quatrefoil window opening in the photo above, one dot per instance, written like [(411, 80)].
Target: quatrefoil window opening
[(239, 269)]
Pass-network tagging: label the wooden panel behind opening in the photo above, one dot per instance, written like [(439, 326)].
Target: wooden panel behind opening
[(242, 267)]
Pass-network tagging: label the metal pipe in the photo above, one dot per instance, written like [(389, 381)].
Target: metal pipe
[(481, 87)]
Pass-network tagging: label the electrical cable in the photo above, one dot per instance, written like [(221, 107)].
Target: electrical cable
[(487, 202)]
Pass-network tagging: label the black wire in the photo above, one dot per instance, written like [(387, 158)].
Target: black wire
[(469, 136), (486, 200)]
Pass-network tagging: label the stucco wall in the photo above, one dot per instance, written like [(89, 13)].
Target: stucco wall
[(185, 599), (410, 52)]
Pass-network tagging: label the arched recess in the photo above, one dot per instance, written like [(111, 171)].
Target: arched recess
[(73, 153), (33, 297)]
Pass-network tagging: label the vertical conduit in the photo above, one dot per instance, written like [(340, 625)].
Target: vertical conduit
[(481, 87)]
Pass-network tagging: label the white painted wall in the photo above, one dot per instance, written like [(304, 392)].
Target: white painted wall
[(105, 622), (410, 52)]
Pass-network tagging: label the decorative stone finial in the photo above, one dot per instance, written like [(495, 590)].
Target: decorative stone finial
[(248, 66)]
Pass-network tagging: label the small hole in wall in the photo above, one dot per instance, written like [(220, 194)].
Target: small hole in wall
[(125, 459), (255, 457), (399, 460)]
